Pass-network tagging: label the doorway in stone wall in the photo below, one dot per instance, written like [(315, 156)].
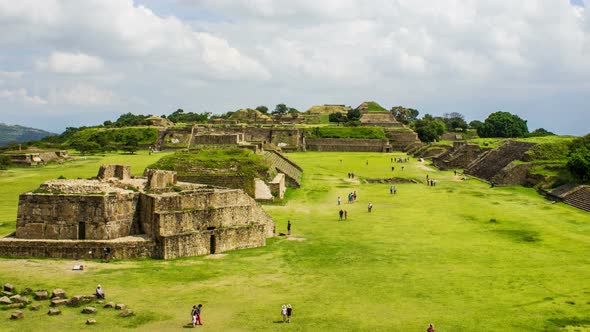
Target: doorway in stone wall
[(212, 244), (81, 230)]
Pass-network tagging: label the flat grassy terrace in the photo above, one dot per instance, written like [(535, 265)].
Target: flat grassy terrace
[(461, 255)]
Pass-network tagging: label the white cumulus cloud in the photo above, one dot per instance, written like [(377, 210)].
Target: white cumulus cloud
[(71, 63), (21, 96), (83, 95)]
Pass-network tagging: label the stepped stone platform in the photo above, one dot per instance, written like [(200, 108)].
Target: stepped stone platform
[(401, 138), (381, 119), (460, 156), (283, 165), (490, 163), (347, 145), (574, 195), (153, 216)]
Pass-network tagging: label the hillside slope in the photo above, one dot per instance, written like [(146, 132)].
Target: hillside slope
[(18, 134)]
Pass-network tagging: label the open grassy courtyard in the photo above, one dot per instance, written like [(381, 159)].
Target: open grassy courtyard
[(461, 255)]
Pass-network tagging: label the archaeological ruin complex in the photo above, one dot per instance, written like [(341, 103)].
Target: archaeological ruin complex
[(151, 216)]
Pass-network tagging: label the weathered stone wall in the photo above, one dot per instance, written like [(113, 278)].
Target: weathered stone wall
[(222, 180), (489, 164), (284, 165), (277, 186), (58, 216), (513, 174), (120, 249), (346, 144), (460, 156), (122, 172), (159, 179), (381, 119), (218, 139), (401, 138), (199, 243)]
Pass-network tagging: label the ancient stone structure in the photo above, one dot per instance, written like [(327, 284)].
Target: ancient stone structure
[(37, 158), (153, 216), (460, 156), (490, 163), (284, 165), (381, 119), (159, 121), (348, 144), (575, 195)]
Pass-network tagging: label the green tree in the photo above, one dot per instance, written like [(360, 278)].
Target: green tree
[(87, 147), (293, 111), (503, 124), (578, 161), (131, 120), (475, 124), (281, 109), (539, 132), (429, 129), (353, 115), (5, 162), (131, 145), (337, 117), (179, 116), (404, 115), (455, 121), (262, 109)]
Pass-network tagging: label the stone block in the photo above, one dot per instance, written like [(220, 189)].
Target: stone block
[(53, 312), (58, 293), (120, 306), (126, 313), (20, 299), (5, 293), (58, 302), (17, 315), (5, 300), (35, 307), (41, 295), (109, 305), (89, 310), (90, 321), (16, 306), (9, 288)]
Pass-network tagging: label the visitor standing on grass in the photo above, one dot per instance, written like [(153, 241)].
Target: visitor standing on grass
[(391, 190), (370, 207), (288, 227), (198, 311), (338, 200), (284, 313), (194, 315), (394, 190), (345, 215), (341, 213), (430, 328), (289, 313)]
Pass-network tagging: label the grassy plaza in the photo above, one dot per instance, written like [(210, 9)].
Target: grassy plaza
[(461, 255)]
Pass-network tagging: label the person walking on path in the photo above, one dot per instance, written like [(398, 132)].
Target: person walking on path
[(284, 313), (345, 215), (198, 311), (341, 213), (338, 200), (289, 313), (288, 227), (194, 315)]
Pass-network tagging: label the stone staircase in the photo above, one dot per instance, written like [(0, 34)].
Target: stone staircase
[(401, 138), (384, 119), (291, 170), (460, 156), (492, 162), (579, 198)]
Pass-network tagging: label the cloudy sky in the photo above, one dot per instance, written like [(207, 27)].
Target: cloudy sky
[(81, 62)]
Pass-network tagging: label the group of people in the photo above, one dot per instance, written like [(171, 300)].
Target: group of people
[(400, 160), (343, 214), (351, 175), (351, 197), (286, 312), (196, 315)]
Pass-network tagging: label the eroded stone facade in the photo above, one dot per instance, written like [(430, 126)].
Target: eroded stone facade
[(153, 216)]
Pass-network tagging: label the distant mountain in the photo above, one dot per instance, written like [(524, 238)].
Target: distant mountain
[(18, 134)]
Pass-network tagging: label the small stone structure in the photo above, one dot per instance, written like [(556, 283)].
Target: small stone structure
[(460, 156), (28, 158), (153, 216)]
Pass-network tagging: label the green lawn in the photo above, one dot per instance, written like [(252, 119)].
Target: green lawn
[(461, 255)]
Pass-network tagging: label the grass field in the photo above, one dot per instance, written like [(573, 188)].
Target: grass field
[(461, 255)]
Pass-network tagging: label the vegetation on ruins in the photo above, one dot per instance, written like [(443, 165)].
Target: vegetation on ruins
[(179, 116), (431, 254), (345, 132), (371, 106), (405, 115), (223, 161), (5, 162), (429, 129), (503, 124), (578, 161)]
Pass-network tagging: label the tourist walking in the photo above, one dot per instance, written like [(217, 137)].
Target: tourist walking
[(394, 190), (430, 328), (345, 215), (284, 313), (341, 213), (370, 207), (289, 313), (194, 315), (338, 200), (288, 227), (391, 190), (198, 311)]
